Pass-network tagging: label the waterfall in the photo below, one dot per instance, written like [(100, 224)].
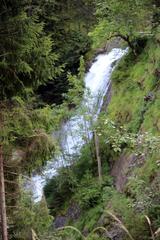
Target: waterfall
[(97, 82)]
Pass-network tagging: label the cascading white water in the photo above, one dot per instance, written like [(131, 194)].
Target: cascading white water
[(97, 82)]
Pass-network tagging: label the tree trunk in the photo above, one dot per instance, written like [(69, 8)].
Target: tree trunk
[(131, 46), (98, 157), (2, 200), (127, 40), (34, 235)]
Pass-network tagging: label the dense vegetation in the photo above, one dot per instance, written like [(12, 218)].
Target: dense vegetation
[(43, 47), (40, 44)]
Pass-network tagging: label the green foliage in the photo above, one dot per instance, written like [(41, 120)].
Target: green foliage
[(68, 23), (28, 133), (133, 80), (76, 86), (134, 222), (40, 38), (89, 220), (77, 182), (60, 189), (154, 213), (88, 192), (119, 138), (125, 19), (39, 42), (26, 57), (143, 184), (30, 215)]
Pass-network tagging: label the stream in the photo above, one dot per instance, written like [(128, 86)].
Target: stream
[(72, 133)]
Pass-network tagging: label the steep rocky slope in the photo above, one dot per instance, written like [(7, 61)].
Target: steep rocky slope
[(131, 181)]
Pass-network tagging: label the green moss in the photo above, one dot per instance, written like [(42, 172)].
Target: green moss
[(90, 218), (152, 117), (133, 79), (145, 174)]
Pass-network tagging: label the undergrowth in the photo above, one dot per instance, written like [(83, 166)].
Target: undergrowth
[(134, 105), (136, 85)]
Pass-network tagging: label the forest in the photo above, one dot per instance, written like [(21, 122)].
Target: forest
[(79, 119)]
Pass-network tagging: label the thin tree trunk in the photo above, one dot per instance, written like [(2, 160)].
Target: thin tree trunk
[(96, 139), (127, 40), (34, 235), (2, 200)]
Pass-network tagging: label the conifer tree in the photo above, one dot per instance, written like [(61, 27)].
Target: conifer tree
[(26, 59)]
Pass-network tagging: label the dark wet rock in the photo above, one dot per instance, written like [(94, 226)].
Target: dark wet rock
[(107, 97), (60, 221), (116, 233), (122, 169), (157, 73), (100, 51), (113, 63), (113, 231), (103, 221), (113, 43), (72, 214), (85, 232), (89, 63), (149, 97)]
